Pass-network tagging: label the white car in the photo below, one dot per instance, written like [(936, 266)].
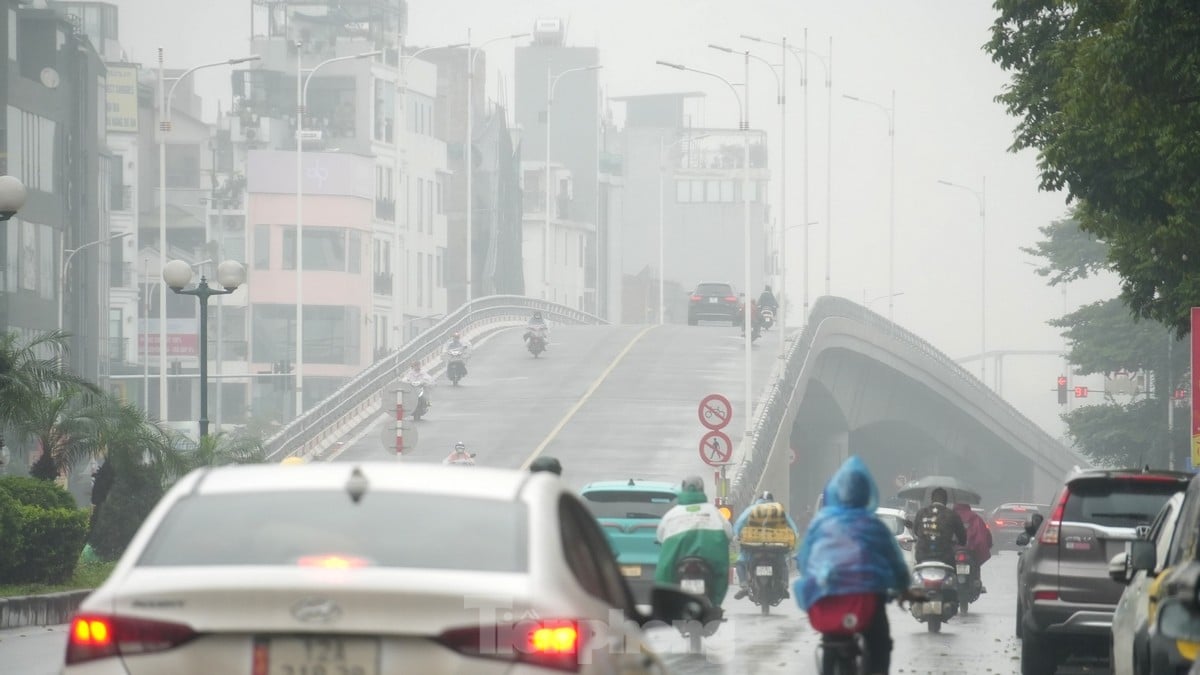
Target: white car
[(895, 520), (367, 569)]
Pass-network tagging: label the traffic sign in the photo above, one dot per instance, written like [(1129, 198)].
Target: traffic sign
[(1081, 392), (716, 448), (387, 436), (715, 412)]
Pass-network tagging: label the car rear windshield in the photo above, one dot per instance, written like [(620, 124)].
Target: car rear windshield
[(894, 523), (630, 504), (1016, 513), (1118, 503), (384, 529), (714, 289)]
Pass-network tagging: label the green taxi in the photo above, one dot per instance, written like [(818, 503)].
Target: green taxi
[(629, 512)]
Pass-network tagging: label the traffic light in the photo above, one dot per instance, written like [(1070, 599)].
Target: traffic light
[(1062, 389), (723, 507), (1081, 392)]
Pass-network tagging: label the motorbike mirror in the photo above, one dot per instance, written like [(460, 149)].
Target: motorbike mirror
[(1142, 555), (1118, 568), (1034, 522), (1022, 539), (669, 604)]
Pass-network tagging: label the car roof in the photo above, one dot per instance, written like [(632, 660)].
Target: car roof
[(433, 479), (888, 511), (634, 484), (1162, 474)]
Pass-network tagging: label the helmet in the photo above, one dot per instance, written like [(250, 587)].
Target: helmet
[(460, 446), (456, 335), (550, 464), (537, 315), (693, 484), (767, 497)]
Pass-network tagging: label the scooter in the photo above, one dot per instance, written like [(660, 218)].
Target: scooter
[(843, 650), (456, 365), (422, 403), (767, 316), (939, 582), (537, 341), (970, 586), (768, 574), (694, 576)]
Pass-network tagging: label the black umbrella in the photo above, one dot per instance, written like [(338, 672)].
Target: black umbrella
[(956, 490)]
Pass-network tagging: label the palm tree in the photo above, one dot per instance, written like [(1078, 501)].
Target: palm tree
[(65, 424), (29, 369), (128, 438), (223, 448)]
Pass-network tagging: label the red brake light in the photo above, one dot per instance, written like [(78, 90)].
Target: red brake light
[(95, 636), (553, 644), (1050, 528), (731, 298), (331, 562), (1150, 478), (1000, 522), (697, 298), (1045, 595)]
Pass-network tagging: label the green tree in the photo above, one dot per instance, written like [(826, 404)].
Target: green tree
[(224, 448), (135, 491), (65, 425), (1107, 92)]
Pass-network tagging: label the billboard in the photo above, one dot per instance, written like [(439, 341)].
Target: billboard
[(325, 173), (121, 98), (182, 337)]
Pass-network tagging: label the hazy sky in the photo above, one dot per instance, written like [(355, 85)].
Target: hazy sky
[(947, 127)]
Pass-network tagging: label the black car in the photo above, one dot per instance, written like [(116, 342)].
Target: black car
[(715, 301), (1007, 522)]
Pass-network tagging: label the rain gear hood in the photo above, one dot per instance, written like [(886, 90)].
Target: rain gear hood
[(848, 549), (695, 528), (979, 537)]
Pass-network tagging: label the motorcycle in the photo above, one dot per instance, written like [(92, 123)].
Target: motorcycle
[(456, 364), (843, 650), (939, 582), (768, 574), (767, 316), (694, 575), (422, 402), (970, 585), (536, 341), (456, 459)]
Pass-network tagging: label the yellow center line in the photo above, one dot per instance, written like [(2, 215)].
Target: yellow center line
[(584, 399)]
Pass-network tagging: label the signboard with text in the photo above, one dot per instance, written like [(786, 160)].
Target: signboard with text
[(182, 337), (121, 98)]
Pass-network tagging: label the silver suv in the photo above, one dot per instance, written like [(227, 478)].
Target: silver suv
[(1065, 597)]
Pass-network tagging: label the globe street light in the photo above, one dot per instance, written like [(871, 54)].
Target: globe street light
[(164, 127), (178, 274), (744, 126), (891, 117), (301, 99), (981, 197), (12, 197), (551, 84)]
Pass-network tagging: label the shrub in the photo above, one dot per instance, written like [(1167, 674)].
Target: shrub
[(10, 536), (51, 542), (134, 493), (35, 492)]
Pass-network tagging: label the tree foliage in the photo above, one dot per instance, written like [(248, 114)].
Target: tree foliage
[(134, 493), (1108, 93)]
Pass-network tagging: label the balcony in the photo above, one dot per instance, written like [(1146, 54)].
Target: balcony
[(385, 209), (383, 283)]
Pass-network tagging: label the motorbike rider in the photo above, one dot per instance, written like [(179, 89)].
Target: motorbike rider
[(979, 537), (694, 528), (767, 300), (460, 455), (455, 343), (774, 516), (937, 527), (850, 562), (545, 463), (418, 380), (537, 323)]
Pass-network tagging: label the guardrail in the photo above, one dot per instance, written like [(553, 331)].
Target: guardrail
[(363, 393), (774, 406)]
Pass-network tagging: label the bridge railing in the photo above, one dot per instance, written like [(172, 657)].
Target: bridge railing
[(774, 407), (362, 392)]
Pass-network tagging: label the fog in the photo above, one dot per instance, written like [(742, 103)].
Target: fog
[(947, 127)]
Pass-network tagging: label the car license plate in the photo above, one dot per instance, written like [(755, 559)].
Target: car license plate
[(764, 570), (964, 569), (317, 654), (933, 608), (631, 570), (693, 586), (713, 300)]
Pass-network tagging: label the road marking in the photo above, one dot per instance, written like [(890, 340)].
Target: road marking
[(584, 399)]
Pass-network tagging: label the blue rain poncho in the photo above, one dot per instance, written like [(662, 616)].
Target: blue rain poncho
[(847, 548)]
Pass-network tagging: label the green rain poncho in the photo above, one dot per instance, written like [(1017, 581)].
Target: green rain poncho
[(694, 527)]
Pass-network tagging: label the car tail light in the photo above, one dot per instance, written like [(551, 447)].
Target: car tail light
[(98, 636), (1045, 595), (697, 298), (542, 643), (1149, 478), (1051, 528), (731, 298), (999, 522)]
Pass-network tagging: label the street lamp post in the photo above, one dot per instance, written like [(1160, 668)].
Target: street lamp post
[(469, 137), (164, 127), (12, 197), (230, 275), (891, 117), (981, 197), (868, 303), (68, 255), (551, 84), (744, 125), (662, 170), (301, 98)]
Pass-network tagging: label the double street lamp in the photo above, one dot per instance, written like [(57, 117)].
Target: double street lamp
[(744, 126), (891, 118), (551, 85), (301, 97), (178, 274), (981, 197), (164, 127)]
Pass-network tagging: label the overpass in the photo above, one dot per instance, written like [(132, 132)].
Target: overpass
[(620, 401)]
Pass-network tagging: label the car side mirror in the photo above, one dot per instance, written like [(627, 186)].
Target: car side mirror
[(1034, 522), (909, 524), (1022, 539), (1118, 568), (1142, 555), (669, 604)]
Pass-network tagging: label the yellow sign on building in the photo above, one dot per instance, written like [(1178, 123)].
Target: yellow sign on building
[(122, 98)]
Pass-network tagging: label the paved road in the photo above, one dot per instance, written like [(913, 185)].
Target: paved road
[(35, 650)]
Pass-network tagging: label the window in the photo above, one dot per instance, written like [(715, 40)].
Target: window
[(432, 205), (429, 279), (697, 190), (324, 249), (441, 257), (262, 247), (183, 165), (683, 191), (727, 191), (420, 277), (581, 250), (589, 555), (47, 284), (441, 204), (420, 205), (31, 144), (354, 253), (713, 191), (331, 333)]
